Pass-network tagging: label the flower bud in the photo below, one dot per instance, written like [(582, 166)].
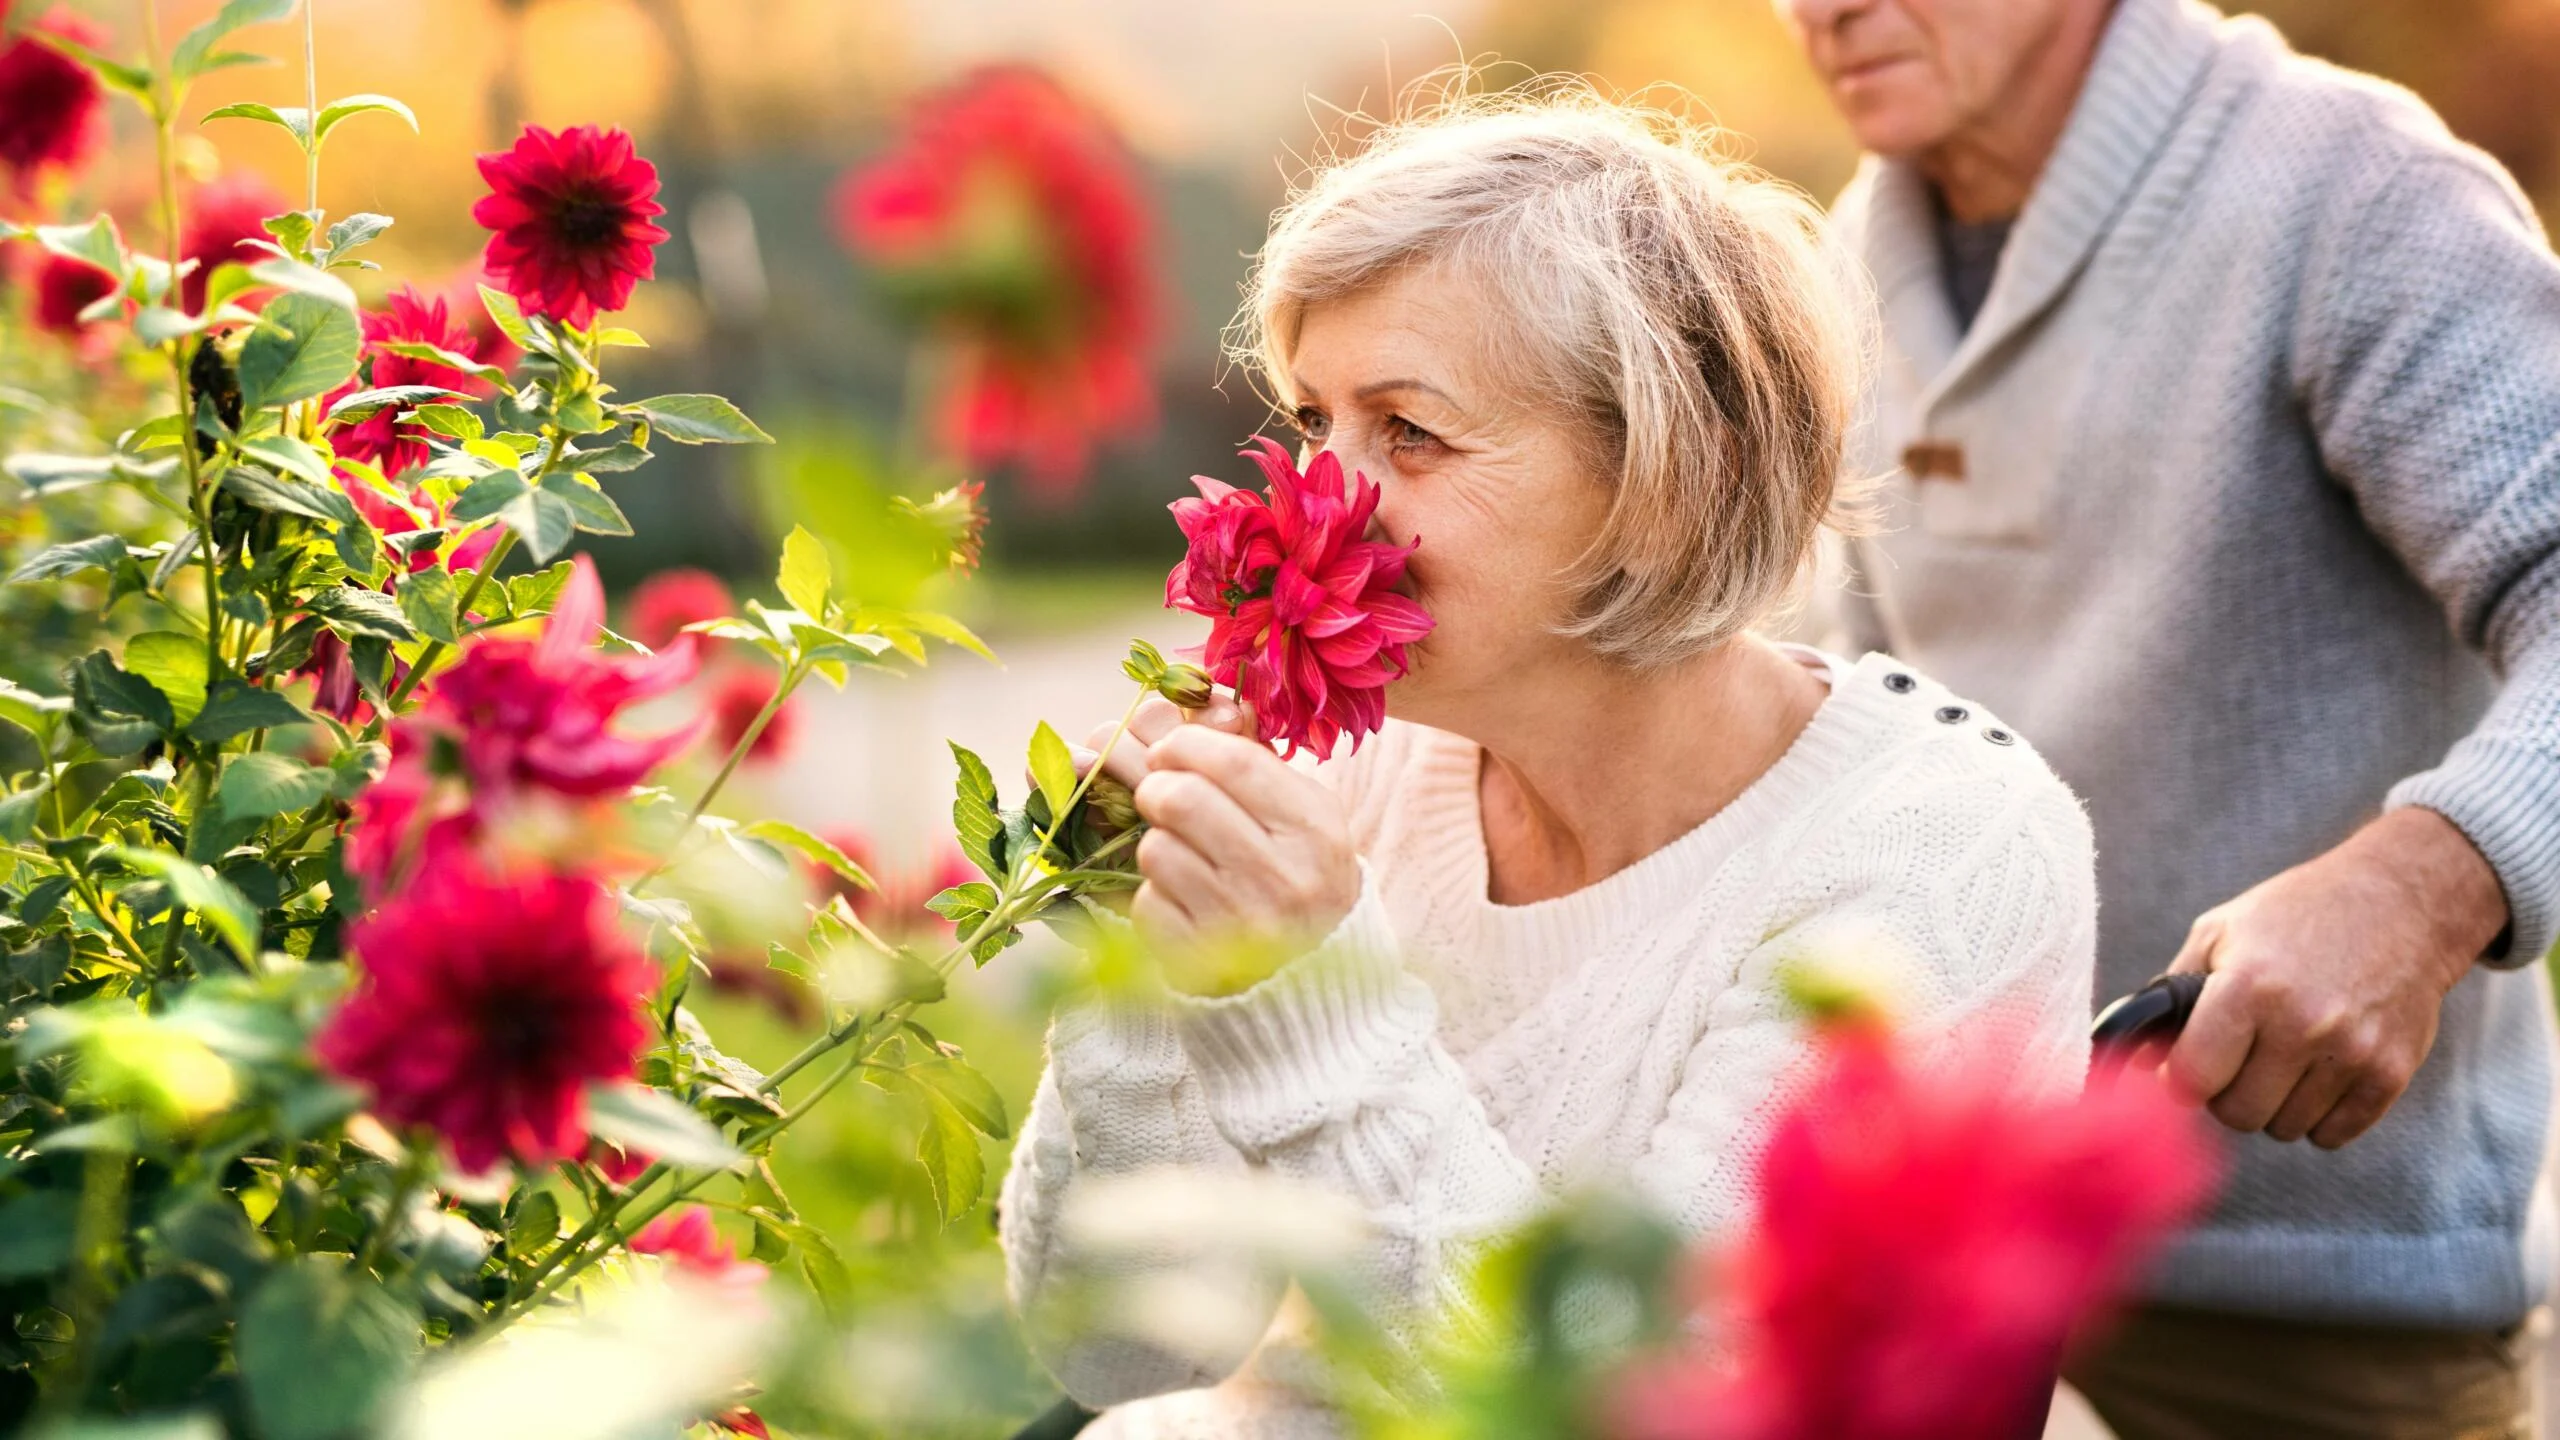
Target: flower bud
[(1184, 685), (1112, 803)]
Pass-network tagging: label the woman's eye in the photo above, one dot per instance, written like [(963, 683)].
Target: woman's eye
[(1310, 422), (1403, 434)]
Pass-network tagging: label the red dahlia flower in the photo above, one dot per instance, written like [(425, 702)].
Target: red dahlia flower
[(392, 515), (1922, 1251), (63, 288), (896, 907), (662, 605), (685, 1235), (1305, 621), (513, 718), (224, 217), (738, 695), (1010, 217), (487, 1006), (571, 212), (380, 440), (50, 105)]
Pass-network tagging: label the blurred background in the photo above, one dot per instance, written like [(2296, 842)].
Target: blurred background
[(781, 290)]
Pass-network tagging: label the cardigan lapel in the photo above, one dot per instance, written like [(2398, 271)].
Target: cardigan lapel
[(2147, 65)]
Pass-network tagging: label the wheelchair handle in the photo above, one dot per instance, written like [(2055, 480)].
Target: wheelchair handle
[(2157, 1011)]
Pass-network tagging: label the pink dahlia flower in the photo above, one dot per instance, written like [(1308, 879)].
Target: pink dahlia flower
[(686, 1236), (511, 718), (572, 215), (1923, 1249), (223, 217), (51, 108), (662, 605), (487, 1006), (1305, 620), (380, 439)]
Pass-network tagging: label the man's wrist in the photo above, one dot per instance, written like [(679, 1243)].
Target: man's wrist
[(2447, 877)]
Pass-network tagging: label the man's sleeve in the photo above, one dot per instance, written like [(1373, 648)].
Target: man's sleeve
[(2430, 369)]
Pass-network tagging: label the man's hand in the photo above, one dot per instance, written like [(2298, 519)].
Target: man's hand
[(2328, 979)]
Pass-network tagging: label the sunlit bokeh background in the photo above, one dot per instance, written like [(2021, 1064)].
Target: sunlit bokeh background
[(752, 109)]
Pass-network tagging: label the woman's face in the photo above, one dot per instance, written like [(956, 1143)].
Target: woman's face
[(1394, 380)]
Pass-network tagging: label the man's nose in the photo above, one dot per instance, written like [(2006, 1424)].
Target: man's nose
[(1814, 15)]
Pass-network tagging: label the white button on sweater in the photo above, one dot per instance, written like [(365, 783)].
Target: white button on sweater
[(1449, 1064)]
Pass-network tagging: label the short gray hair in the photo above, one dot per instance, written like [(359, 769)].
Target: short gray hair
[(1681, 308)]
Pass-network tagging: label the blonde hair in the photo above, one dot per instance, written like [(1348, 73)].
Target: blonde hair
[(1679, 306)]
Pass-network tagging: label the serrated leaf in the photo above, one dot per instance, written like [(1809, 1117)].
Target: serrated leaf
[(654, 1123), (974, 816), (817, 848), (542, 520), (97, 552), (28, 710), (175, 666), (595, 511), (257, 786), (303, 347), (454, 422), (971, 900), (97, 243), (509, 318), (290, 494), (806, 573), (536, 592), (352, 233), (200, 890), (365, 404), (487, 496), (948, 1150), (292, 456), (118, 711), (306, 280), (352, 612), (1053, 768), (698, 420), (968, 1092), (450, 359), (293, 120), (428, 598), (358, 547), (236, 707)]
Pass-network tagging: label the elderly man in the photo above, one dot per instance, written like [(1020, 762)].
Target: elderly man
[(2224, 390)]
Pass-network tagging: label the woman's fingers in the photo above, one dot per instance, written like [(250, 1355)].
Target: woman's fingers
[(1262, 783), (1198, 808), (1182, 876)]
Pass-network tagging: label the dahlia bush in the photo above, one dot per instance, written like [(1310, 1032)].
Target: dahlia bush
[(348, 910)]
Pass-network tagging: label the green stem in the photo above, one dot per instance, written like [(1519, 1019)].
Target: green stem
[(311, 98), (435, 648), (747, 738), (97, 1237), (98, 906)]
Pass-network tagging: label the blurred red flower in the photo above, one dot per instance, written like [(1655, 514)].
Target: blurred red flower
[(223, 217), (738, 695), (617, 1163), (1922, 1251), (514, 716), (739, 1420), (686, 1236), (379, 440), (485, 1008), (896, 906), (51, 107), (571, 211), (392, 516), (59, 288), (662, 605), (1010, 217), (1305, 621)]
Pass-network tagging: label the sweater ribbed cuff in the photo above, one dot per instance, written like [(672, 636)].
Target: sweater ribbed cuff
[(2506, 800), (1305, 1047)]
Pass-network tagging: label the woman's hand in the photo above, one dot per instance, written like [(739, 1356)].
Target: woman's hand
[(1247, 859)]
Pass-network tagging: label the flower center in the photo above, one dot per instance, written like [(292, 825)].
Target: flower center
[(586, 219)]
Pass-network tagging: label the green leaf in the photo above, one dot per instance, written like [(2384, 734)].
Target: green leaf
[(365, 404), (322, 1348), (96, 243), (292, 229), (304, 346), (428, 598), (175, 666), (535, 1227), (291, 456), (28, 710), (36, 1231), (966, 1091), (451, 360), (580, 414), (655, 1123), (817, 848), (289, 494), (200, 890), (806, 573), (595, 511), (55, 474), (352, 233), (697, 420), (358, 547), (305, 280), (338, 112), (131, 80), (1053, 769), (948, 1150), (195, 50), (543, 521), (235, 707), (965, 903), (353, 611), (454, 422), (974, 818), (509, 318), (535, 593), (293, 120), (264, 784), (118, 711), (487, 496), (98, 552)]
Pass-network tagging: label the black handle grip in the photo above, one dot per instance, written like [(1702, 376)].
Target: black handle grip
[(2157, 1011)]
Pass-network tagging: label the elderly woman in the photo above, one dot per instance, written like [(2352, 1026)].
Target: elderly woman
[(1601, 375)]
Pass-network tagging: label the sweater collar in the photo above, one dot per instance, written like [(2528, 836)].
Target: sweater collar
[(2147, 65)]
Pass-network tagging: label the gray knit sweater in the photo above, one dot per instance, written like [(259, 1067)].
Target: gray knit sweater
[(2241, 499)]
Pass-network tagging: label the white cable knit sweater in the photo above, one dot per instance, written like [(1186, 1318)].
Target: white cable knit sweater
[(1449, 1063)]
